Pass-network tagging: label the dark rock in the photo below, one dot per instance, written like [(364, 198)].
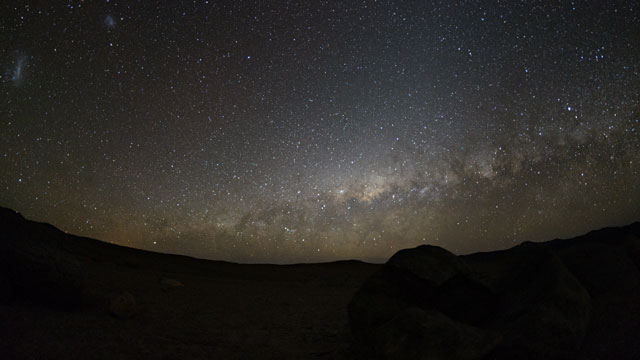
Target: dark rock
[(432, 264), (166, 284), (409, 279), (525, 296), (123, 305), (428, 334), (453, 300), (602, 268), (544, 310)]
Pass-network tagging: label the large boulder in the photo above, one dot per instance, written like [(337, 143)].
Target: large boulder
[(409, 279), (543, 311), (429, 303), (602, 267), (442, 264), (428, 334)]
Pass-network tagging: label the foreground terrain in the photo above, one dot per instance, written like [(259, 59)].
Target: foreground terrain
[(184, 307), (67, 297)]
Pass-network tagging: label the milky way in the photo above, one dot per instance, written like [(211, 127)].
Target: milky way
[(319, 130)]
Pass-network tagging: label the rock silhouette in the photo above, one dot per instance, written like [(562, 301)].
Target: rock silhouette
[(123, 305), (533, 301)]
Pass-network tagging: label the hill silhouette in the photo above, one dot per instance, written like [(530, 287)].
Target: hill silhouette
[(68, 297)]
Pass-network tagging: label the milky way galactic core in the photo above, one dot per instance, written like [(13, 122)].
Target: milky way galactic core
[(284, 131)]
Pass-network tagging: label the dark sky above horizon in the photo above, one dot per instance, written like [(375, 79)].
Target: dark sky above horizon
[(284, 131)]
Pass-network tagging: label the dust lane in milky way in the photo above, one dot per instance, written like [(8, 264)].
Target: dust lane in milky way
[(284, 132)]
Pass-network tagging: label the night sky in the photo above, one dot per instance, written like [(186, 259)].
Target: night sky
[(284, 131)]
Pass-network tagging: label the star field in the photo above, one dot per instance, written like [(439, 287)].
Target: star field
[(287, 131)]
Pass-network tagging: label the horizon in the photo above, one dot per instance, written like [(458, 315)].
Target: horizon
[(369, 261), (281, 133)]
